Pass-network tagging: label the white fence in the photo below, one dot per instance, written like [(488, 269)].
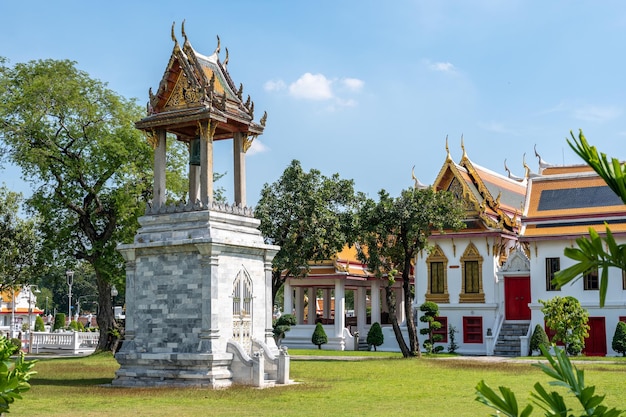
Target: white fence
[(66, 342)]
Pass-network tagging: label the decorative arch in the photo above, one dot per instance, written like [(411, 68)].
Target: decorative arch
[(242, 296), (437, 265), (472, 276)]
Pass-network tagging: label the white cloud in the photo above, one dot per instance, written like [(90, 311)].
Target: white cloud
[(312, 87), (442, 67), (596, 113), (274, 85), (495, 127), (257, 147), (352, 84)]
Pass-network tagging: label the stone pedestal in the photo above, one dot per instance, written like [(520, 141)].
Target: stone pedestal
[(196, 278)]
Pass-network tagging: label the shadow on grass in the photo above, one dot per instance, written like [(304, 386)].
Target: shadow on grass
[(77, 382)]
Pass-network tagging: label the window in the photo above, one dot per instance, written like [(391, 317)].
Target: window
[(591, 280), (436, 278), (472, 276), (623, 279), (437, 264), (443, 330), (552, 265), (472, 329)]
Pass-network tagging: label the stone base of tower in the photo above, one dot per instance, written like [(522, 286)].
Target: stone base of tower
[(197, 279)]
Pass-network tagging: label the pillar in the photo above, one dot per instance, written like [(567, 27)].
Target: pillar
[(206, 162), (340, 307), (299, 305), (239, 168), (400, 305), (269, 333), (375, 298), (158, 198), (194, 183), (360, 301), (210, 333), (312, 312), (287, 297), (327, 297)]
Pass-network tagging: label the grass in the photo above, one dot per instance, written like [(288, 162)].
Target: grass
[(426, 387)]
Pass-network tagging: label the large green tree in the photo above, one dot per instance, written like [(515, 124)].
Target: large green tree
[(596, 253), (19, 242), (568, 320), (309, 215), (75, 141), (392, 231)]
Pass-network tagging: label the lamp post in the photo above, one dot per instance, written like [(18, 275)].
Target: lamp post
[(69, 274), (30, 313), (114, 294)]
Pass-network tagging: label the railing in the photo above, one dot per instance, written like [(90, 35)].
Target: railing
[(76, 342)]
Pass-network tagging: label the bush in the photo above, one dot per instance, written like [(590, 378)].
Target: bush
[(282, 325), (39, 325), (452, 347), (319, 337), (431, 310), (538, 338), (73, 325), (619, 338), (16, 343), (59, 321), (14, 374), (375, 335)]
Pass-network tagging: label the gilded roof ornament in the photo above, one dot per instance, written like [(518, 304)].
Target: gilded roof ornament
[(182, 30), (226, 59), (463, 148), (542, 164), (418, 185), (263, 119), (448, 157), (240, 91), (217, 49), (526, 167)]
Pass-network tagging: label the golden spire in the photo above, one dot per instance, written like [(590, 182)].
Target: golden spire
[(174, 36), (448, 157), (182, 29), (463, 148)]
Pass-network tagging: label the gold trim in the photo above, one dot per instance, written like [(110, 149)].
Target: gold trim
[(247, 141), (152, 138)]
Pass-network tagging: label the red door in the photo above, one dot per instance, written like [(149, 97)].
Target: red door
[(595, 344), (517, 298)]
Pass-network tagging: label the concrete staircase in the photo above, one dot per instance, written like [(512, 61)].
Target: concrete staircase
[(508, 343), (363, 343)]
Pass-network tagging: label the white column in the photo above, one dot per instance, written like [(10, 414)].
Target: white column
[(194, 183), (327, 296), (360, 301), (311, 314), (375, 299), (158, 198), (300, 305), (340, 307), (400, 305), (287, 297), (239, 169)]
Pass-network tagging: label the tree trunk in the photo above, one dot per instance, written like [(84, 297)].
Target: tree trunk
[(109, 332), (277, 281), (391, 304), (408, 311)]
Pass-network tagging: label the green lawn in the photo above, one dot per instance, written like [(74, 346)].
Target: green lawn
[(426, 387)]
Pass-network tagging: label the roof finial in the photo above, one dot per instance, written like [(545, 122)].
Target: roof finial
[(448, 157), (463, 148), (226, 59), (182, 29), (418, 185), (174, 36), (506, 168), (526, 167), (217, 50)]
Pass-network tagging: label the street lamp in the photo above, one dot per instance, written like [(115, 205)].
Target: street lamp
[(114, 293), (30, 313), (69, 274)]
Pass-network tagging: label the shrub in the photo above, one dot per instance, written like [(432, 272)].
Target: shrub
[(538, 338), (375, 335), (452, 347), (17, 343), (73, 325), (39, 325), (282, 325), (431, 310), (319, 337), (14, 374), (569, 320), (59, 321), (619, 338)]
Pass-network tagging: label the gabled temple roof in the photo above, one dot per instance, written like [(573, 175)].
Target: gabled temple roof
[(567, 201), (198, 87), (492, 201)]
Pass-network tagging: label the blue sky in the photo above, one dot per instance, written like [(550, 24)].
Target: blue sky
[(367, 89)]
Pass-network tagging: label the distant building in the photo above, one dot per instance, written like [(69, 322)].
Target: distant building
[(16, 307)]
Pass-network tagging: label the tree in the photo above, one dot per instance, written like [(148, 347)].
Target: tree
[(39, 325), (590, 255), (619, 338), (282, 325), (565, 375), (538, 339), (308, 215), (59, 321), (75, 141), (375, 335), (452, 346), (319, 337), (431, 312), (566, 317), (392, 232), (19, 242)]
